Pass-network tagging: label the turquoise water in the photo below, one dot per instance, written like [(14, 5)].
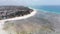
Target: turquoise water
[(55, 9)]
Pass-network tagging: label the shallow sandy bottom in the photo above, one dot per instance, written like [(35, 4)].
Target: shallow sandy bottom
[(40, 23), (2, 22)]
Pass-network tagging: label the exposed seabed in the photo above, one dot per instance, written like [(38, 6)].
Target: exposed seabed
[(45, 20), (2, 22)]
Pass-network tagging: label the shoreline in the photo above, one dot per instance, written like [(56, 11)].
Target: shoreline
[(21, 17), (16, 18)]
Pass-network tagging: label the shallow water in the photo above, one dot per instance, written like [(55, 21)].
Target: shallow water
[(48, 23)]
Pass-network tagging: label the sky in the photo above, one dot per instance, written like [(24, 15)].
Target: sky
[(30, 2)]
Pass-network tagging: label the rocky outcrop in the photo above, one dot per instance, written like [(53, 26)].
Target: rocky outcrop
[(13, 11)]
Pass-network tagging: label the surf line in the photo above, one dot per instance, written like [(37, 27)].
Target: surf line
[(20, 17)]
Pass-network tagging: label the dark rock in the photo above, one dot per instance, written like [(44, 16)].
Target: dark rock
[(13, 11)]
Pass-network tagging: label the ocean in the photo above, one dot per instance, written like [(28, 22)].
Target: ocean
[(52, 9)]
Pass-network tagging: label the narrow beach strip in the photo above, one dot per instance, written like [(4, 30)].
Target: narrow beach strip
[(21, 17)]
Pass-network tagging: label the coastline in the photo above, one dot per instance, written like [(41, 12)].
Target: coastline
[(21, 17), (15, 18)]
